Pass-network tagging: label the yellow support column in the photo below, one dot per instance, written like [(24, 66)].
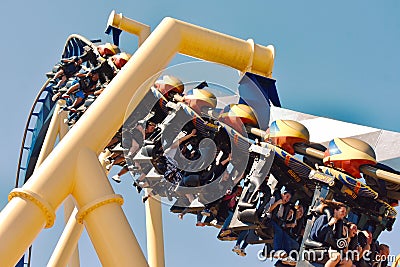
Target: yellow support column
[(154, 224), (107, 226), (154, 231), (63, 254), (73, 230), (51, 136), (73, 166)]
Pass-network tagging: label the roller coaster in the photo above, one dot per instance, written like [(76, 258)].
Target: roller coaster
[(232, 156)]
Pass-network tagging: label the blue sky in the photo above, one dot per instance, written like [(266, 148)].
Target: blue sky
[(339, 60)]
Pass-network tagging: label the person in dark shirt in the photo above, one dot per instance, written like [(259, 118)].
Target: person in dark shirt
[(325, 226), (68, 68)]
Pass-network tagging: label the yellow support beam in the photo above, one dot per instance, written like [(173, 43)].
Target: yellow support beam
[(142, 31), (66, 252), (73, 166), (154, 231)]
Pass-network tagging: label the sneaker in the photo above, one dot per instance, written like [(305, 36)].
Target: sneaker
[(216, 224), (236, 249), (206, 213), (116, 178), (65, 96), (280, 254), (289, 261), (242, 253), (200, 224), (225, 233), (138, 188), (108, 167)]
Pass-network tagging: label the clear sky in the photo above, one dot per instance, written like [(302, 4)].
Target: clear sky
[(335, 59)]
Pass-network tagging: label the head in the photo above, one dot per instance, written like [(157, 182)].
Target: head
[(286, 133), (339, 210), (238, 116), (169, 85), (239, 190), (352, 229), (286, 196), (384, 250), (200, 100), (348, 154), (299, 211), (150, 126), (107, 49), (94, 76), (120, 59)]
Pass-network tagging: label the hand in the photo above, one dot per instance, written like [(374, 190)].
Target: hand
[(332, 221), (193, 133)]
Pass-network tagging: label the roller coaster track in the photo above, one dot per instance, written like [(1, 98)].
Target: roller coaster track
[(43, 107), (41, 110)]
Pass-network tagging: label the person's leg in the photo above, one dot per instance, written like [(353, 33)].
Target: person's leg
[(72, 89), (227, 221), (209, 219), (242, 236), (289, 243), (278, 236), (119, 174), (61, 82), (199, 217)]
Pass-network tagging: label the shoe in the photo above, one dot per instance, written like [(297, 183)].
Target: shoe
[(289, 261), (109, 166), (145, 198), (216, 224), (242, 253), (65, 96), (206, 213), (225, 233), (229, 238), (280, 254), (236, 249), (116, 178), (138, 188), (200, 224)]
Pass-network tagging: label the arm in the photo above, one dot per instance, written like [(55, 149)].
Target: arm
[(276, 204), (320, 229), (225, 161), (183, 139)]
